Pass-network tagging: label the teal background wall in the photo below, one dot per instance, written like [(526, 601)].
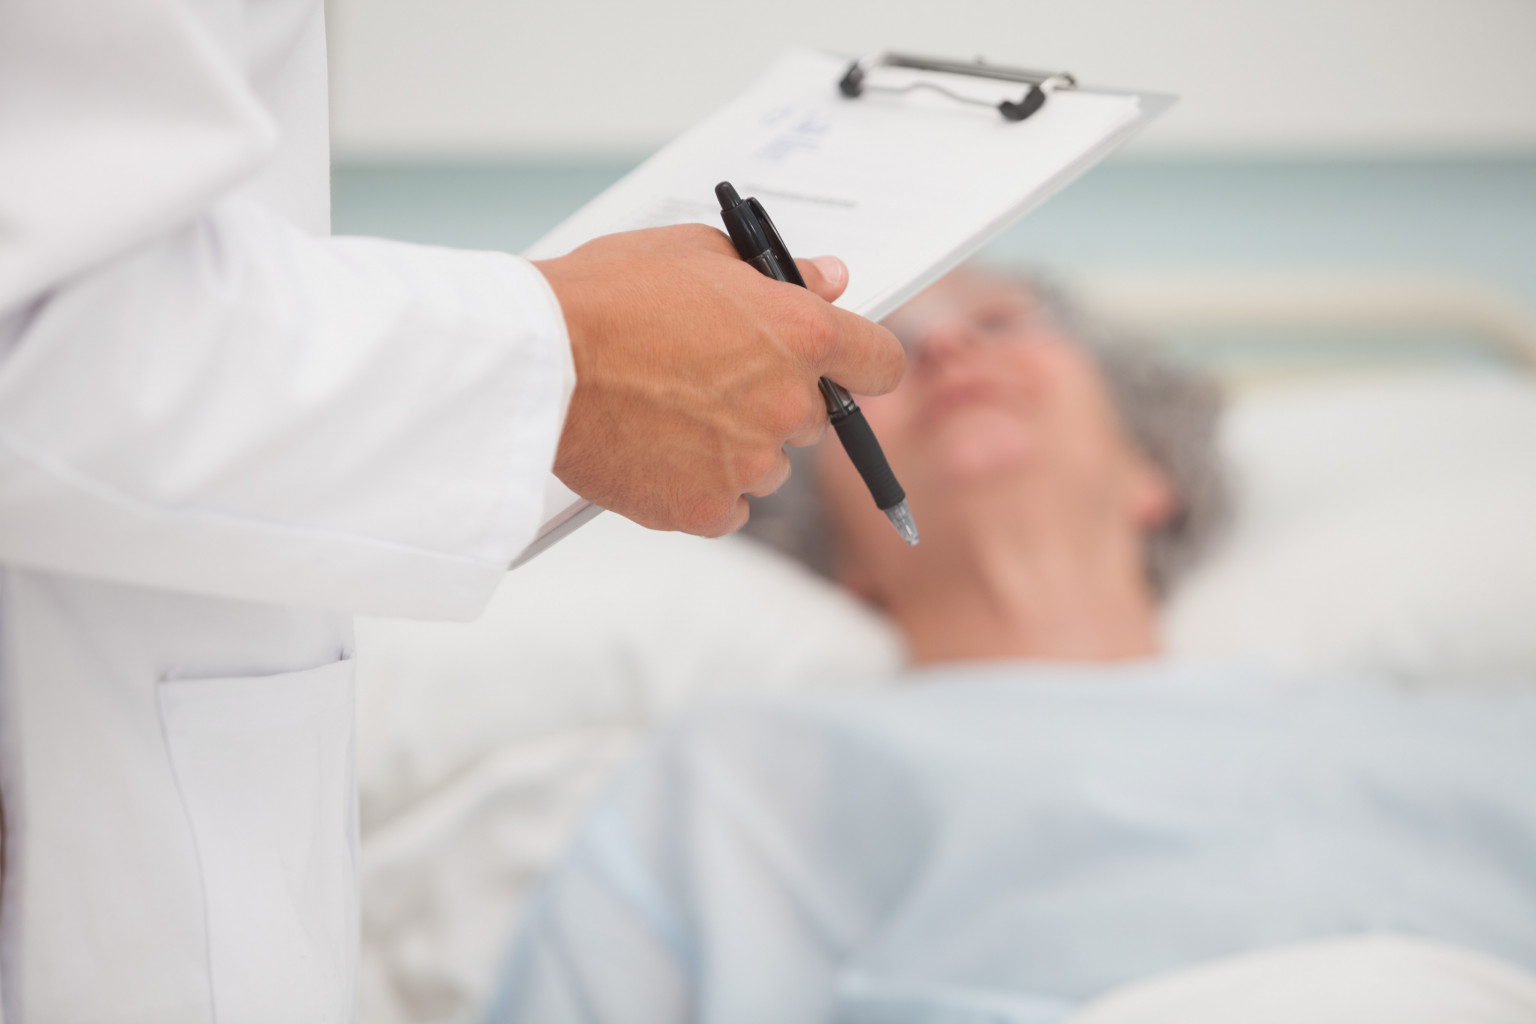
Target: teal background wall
[(1473, 218)]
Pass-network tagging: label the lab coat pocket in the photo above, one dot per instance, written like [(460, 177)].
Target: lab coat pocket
[(264, 766)]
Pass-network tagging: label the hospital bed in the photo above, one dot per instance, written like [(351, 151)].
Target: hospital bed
[(1383, 437)]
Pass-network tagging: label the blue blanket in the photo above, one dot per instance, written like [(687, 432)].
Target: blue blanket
[(1003, 843)]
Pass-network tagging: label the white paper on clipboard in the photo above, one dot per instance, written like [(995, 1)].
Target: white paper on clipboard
[(901, 186)]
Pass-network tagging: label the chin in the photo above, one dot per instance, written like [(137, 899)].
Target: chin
[(989, 447)]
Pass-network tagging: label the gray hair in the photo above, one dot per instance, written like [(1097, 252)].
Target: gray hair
[(1169, 411)]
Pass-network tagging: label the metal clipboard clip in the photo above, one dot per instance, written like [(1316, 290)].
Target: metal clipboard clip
[(1041, 84)]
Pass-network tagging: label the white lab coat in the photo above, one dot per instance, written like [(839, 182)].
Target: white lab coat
[(220, 434)]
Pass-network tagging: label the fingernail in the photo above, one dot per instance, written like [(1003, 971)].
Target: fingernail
[(832, 269)]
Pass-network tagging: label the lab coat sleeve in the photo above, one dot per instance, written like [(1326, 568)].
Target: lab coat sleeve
[(197, 395)]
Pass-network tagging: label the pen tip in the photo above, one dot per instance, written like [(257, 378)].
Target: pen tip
[(726, 193), (901, 518)]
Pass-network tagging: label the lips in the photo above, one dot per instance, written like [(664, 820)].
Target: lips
[(949, 397)]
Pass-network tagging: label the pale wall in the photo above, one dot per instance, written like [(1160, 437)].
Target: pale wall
[(497, 78)]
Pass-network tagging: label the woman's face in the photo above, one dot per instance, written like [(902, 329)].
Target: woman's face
[(997, 403)]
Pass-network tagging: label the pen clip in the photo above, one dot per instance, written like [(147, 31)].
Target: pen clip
[(780, 250)]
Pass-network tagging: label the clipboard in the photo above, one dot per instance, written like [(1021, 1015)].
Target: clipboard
[(901, 165)]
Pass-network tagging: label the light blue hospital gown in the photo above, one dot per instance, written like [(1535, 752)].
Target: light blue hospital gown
[(1004, 843)]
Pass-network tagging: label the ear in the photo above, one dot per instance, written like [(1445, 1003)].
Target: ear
[(1151, 503)]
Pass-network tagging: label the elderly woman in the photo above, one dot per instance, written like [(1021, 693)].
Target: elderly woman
[(1059, 811), (1040, 455)]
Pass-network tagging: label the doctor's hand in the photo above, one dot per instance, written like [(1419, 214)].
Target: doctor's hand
[(693, 371)]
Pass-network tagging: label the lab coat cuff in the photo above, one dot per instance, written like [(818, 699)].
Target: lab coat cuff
[(540, 316), (555, 329)]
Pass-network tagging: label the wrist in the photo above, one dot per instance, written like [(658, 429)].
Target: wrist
[(573, 293), (576, 309)]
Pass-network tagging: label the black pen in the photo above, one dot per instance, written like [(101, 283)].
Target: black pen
[(757, 241)]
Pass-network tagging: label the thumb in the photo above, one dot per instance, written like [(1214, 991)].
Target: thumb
[(827, 276)]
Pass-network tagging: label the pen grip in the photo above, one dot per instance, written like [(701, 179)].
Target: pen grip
[(859, 441)]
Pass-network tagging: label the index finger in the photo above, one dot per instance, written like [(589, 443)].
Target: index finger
[(865, 358)]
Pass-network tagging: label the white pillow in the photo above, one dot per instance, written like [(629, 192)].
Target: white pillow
[(1364, 979), (614, 626), (1383, 523)]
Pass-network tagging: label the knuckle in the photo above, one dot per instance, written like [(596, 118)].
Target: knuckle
[(811, 434), (818, 334), (786, 417), (881, 364), (707, 516), (801, 415), (813, 411), (712, 527), (726, 520), (759, 466)]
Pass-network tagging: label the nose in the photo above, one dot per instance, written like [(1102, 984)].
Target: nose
[(940, 341)]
